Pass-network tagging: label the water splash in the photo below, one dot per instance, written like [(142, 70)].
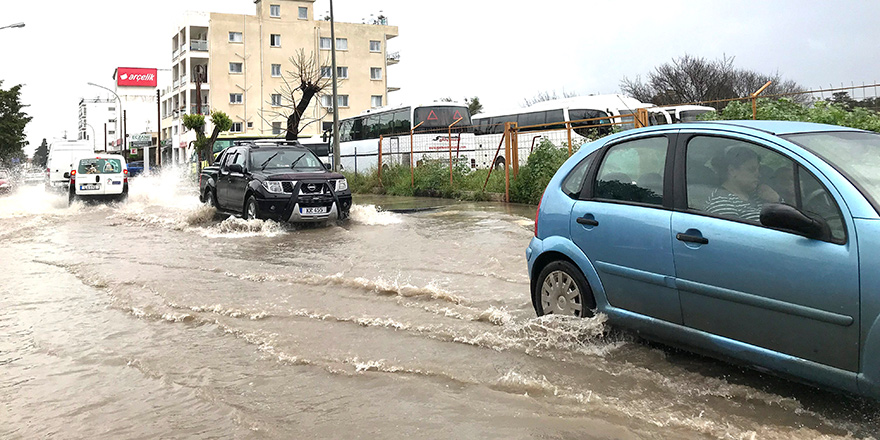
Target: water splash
[(369, 215)]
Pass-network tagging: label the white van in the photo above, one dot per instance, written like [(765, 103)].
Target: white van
[(99, 176), (62, 155)]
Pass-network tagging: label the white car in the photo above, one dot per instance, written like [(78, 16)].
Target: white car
[(103, 176)]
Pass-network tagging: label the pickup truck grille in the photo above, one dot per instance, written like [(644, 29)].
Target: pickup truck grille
[(306, 188)]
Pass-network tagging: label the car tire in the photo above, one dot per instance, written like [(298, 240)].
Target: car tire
[(561, 289), (71, 196), (210, 198), (251, 209)]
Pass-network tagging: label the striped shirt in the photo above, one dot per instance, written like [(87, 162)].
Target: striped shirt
[(724, 203)]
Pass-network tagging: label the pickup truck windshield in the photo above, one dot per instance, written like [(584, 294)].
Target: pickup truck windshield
[(278, 158)]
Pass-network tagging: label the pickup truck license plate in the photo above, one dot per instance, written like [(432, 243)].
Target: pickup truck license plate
[(310, 210), (90, 186)]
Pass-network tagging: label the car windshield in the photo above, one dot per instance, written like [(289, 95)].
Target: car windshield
[(301, 159), (855, 154), (99, 166)]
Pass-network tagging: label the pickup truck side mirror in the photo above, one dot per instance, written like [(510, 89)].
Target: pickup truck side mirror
[(327, 166), (236, 168), (777, 215)]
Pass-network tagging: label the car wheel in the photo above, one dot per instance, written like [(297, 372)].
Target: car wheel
[(563, 290), (251, 210), (210, 198), (71, 196)]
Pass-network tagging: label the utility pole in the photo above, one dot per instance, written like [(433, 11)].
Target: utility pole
[(335, 98), (158, 127)]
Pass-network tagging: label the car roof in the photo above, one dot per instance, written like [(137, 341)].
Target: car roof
[(771, 127)]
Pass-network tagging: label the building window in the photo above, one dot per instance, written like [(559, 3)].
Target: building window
[(276, 128), (326, 100), (375, 46), (276, 70), (275, 40), (109, 109), (235, 98), (375, 73), (250, 125), (376, 101), (326, 71), (236, 127), (342, 100), (276, 99), (275, 11), (342, 44), (325, 43), (114, 131), (341, 72), (235, 37), (303, 13), (235, 67)]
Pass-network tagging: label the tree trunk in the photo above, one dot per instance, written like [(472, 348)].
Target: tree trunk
[(309, 91)]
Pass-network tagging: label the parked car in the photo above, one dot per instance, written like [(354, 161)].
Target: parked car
[(99, 177), (137, 167), (279, 180), (5, 182), (755, 241), (34, 177)]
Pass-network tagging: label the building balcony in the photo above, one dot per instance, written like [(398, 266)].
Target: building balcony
[(392, 89), (198, 45), (392, 58)]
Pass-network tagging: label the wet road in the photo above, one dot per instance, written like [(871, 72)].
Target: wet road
[(155, 318)]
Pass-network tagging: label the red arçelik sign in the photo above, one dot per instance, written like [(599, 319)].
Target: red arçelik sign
[(134, 76)]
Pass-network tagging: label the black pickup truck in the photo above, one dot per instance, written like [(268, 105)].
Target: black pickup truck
[(278, 180)]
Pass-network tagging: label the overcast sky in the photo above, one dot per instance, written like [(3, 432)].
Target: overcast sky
[(500, 51)]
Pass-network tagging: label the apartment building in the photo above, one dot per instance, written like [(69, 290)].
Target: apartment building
[(97, 122), (243, 60)]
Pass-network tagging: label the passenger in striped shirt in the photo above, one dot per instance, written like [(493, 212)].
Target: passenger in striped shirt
[(741, 195)]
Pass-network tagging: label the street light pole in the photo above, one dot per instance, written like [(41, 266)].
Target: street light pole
[(118, 112), (335, 98), (14, 25)]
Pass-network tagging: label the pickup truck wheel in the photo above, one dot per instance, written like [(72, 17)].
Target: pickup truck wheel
[(251, 210), (210, 198)]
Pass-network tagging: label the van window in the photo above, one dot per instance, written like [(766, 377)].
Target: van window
[(99, 166)]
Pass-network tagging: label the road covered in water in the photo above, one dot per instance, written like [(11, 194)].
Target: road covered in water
[(157, 318)]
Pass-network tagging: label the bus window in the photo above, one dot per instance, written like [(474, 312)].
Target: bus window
[(402, 121), (386, 124), (527, 119), (345, 131), (357, 129), (555, 116), (583, 128), (441, 116), (371, 127)]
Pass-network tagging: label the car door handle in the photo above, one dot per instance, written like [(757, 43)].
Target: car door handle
[(588, 221), (691, 238)]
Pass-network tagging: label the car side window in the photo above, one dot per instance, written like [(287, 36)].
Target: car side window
[(815, 200), (734, 179), (574, 181), (239, 158), (633, 171), (227, 160)]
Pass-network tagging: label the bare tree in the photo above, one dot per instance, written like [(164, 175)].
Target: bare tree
[(695, 79), (547, 96), (305, 81)]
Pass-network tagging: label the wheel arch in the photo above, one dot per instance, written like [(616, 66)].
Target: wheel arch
[(558, 248)]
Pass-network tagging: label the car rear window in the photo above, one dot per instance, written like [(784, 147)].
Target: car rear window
[(99, 166)]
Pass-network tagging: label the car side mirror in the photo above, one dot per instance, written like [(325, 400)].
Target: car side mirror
[(236, 168), (67, 175), (777, 215), (325, 136), (327, 166)]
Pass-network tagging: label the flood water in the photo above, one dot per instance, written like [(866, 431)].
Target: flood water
[(157, 318)]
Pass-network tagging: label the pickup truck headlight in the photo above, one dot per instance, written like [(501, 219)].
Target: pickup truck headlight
[(274, 187), (341, 185)]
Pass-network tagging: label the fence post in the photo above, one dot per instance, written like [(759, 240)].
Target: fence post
[(568, 129), (449, 137), (355, 161), (755, 100), (380, 161), (641, 118), (412, 173), (514, 146), (506, 137)]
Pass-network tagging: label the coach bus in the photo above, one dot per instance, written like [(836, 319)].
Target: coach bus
[(547, 120), (359, 136)]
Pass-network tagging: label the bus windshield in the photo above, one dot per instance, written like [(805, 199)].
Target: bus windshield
[(440, 117)]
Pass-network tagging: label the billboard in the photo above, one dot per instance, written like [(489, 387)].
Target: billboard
[(135, 77)]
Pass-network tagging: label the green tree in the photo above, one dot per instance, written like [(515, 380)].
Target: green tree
[(787, 110), (474, 106), (13, 120), (41, 155), (204, 145)]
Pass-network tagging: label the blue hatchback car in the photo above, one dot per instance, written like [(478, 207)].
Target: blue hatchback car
[(756, 241)]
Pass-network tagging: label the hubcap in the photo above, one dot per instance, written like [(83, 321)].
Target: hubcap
[(560, 295)]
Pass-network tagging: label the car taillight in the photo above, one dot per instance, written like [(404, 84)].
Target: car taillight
[(72, 174), (125, 175), (538, 211)]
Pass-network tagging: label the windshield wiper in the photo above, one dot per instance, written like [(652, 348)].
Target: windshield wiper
[(263, 166), (297, 160)]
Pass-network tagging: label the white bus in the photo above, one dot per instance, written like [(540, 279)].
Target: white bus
[(687, 113), (489, 127), (359, 135)]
